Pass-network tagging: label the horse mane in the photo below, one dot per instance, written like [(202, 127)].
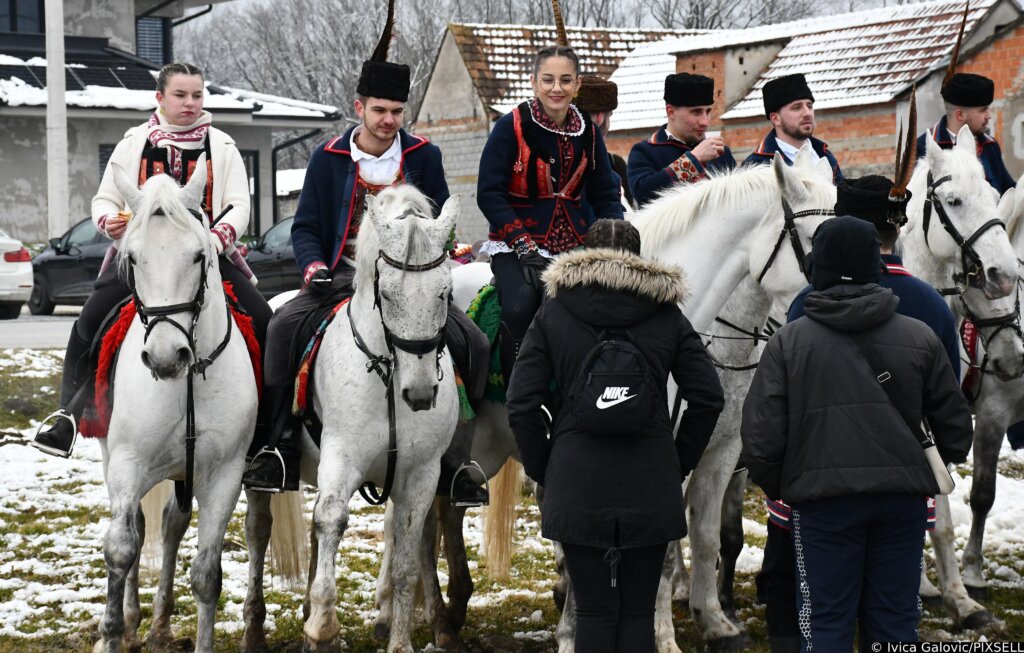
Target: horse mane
[(159, 192), (417, 241), (678, 208)]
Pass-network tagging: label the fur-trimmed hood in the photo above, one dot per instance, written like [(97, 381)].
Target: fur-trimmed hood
[(619, 271)]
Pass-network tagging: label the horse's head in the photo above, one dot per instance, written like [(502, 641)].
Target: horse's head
[(806, 198), (403, 255), (166, 256), (954, 211)]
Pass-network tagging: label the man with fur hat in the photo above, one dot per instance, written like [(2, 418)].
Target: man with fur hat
[(371, 156), (598, 98), (838, 450), (680, 151), (789, 105), (870, 199), (967, 98)]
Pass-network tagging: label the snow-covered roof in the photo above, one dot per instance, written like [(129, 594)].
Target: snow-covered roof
[(290, 181), (641, 81), (128, 87), (499, 57)]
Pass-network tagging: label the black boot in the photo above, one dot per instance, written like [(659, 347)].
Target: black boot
[(276, 467), (59, 438), (508, 348)]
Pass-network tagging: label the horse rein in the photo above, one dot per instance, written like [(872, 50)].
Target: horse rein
[(973, 273), (384, 365), (162, 314), (789, 228)]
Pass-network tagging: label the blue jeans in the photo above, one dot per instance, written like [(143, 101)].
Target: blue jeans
[(858, 556)]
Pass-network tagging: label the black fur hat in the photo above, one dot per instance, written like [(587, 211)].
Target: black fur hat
[(686, 90), (782, 90), (969, 90), (379, 78), (868, 198)]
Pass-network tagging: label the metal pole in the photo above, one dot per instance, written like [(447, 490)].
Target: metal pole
[(58, 206)]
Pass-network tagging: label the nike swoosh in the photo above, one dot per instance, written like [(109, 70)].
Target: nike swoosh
[(602, 404)]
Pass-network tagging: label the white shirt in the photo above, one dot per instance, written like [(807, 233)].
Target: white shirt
[(791, 151), (377, 169)]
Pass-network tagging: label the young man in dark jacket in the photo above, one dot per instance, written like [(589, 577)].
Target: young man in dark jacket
[(833, 445), (613, 535)]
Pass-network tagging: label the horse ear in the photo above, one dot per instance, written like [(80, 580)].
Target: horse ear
[(374, 211), (446, 221), (1009, 212), (803, 158), (965, 141), (933, 153), (824, 169), (193, 192), (129, 191), (790, 186)]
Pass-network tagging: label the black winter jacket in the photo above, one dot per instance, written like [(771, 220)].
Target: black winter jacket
[(600, 491), (817, 423)]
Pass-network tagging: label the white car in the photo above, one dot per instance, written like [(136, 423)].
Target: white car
[(15, 276)]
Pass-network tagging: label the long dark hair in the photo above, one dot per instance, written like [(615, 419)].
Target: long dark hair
[(614, 234), (172, 69)]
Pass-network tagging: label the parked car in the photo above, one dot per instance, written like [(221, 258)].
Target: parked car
[(15, 276), (64, 272), (273, 261)]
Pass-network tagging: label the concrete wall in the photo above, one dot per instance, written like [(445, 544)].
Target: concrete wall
[(743, 66), (111, 18), (453, 117), (23, 162)]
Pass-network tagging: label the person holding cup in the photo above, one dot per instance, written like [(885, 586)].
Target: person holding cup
[(683, 150)]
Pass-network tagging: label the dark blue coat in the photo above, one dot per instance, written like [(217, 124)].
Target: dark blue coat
[(769, 147), (989, 154), (917, 300), (327, 201), (511, 217), (650, 167)]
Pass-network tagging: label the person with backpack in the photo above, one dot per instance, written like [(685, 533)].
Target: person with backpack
[(607, 337)]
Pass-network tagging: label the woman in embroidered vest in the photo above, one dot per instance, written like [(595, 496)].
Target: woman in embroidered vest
[(170, 142), (544, 179)]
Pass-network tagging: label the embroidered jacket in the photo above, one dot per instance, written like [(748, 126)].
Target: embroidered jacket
[(769, 147), (541, 186), (659, 162), (329, 193), (989, 154)]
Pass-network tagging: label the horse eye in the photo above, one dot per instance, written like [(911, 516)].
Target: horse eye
[(954, 201), (198, 258)]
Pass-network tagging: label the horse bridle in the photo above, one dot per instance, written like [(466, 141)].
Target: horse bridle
[(973, 272), (384, 364), (150, 316), (789, 229), (1009, 321)]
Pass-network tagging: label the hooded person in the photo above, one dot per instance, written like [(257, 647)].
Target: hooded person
[(836, 449), (373, 155), (681, 151)]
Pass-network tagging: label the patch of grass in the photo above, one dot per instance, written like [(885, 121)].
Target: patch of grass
[(22, 398)]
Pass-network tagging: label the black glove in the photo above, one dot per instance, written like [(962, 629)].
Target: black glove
[(533, 265), (320, 284)]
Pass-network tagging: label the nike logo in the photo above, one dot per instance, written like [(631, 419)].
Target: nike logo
[(602, 403)]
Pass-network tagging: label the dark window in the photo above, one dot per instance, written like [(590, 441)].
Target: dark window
[(153, 39), (105, 152), (280, 235), (251, 158), (21, 16), (84, 234)]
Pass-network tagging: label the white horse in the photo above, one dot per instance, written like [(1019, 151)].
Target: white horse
[(382, 370), (1000, 402), (720, 232), (183, 348)]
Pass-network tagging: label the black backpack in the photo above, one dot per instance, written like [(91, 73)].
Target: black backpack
[(614, 393)]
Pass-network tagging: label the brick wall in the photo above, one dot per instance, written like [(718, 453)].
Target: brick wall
[(461, 142), (1003, 63), (709, 64)]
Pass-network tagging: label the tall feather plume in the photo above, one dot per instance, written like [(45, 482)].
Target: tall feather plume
[(563, 38), (955, 56), (905, 167), (380, 53)]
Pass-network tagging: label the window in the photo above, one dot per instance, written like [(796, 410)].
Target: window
[(84, 233), (280, 235), (21, 16), (251, 159), (153, 39)]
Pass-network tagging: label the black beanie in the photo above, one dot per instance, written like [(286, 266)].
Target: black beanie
[(845, 250), (686, 90), (868, 198), (969, 90), (384, 80), (782, 90)]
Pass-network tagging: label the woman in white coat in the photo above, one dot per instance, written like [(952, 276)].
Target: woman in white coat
[(170, 142)]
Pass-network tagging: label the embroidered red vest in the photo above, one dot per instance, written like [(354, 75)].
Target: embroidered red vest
[(519, 186)]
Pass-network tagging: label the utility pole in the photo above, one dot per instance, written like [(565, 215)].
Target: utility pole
[(57, 201)]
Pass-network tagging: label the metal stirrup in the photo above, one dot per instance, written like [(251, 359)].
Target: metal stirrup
[(50, 450), (284, 474), (487, 485)]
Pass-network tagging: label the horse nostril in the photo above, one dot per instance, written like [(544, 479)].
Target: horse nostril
[(145, 361), (184, 356)]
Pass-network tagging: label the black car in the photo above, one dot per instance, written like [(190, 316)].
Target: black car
[(273, 261), (64, 272)]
